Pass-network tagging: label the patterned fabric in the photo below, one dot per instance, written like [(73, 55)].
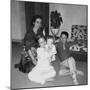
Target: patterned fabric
[(79, 34)]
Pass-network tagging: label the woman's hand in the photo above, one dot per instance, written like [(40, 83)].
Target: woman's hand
[(32, 57), (32, 48), (56, 41), (34, 61)]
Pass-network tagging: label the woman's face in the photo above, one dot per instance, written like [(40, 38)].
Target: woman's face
[(38, 23)]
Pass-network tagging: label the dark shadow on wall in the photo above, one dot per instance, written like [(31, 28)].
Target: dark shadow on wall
[(36, 8)]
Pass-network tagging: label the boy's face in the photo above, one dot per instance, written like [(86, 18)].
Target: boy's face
[(42, 42), (50, 41), (63, 38)]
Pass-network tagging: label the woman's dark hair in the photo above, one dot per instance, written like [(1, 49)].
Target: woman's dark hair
[(65, 33), (34, 19)]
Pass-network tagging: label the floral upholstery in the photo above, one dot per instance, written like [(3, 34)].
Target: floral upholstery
[(79, 34)]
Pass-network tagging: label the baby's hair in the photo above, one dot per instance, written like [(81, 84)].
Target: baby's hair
[(65, 33), (50, 37)]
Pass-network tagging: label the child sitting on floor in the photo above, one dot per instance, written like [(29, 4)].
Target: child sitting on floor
[(43, 71), (66, 59)]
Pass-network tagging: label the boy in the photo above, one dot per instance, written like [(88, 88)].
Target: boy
[(43, 71), (64, 53)]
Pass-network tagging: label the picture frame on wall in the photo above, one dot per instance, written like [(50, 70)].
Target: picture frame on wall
[(35, 26)]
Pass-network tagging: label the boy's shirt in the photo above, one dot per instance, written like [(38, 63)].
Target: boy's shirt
[(63, 53), (52, 49)]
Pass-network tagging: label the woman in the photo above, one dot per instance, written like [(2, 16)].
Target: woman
[(31, 37), (31, 42)]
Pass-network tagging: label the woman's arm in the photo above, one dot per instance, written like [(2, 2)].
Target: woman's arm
[(31, 55)]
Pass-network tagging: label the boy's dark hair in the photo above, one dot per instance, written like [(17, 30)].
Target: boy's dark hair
[(65, 33), (34, 19)]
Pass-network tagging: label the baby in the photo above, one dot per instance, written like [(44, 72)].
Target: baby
[(51, 48)]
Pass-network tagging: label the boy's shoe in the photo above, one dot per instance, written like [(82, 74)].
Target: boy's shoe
[(75, 82), (64, 72), (78, 72)]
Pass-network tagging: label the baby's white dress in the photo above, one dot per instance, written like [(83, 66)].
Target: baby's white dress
[(43, 70), (52, 50)]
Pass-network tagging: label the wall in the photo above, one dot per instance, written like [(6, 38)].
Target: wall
[(71, 14), (18, 27), (36, 8)]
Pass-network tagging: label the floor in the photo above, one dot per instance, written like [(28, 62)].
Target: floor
[(20, 80)]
